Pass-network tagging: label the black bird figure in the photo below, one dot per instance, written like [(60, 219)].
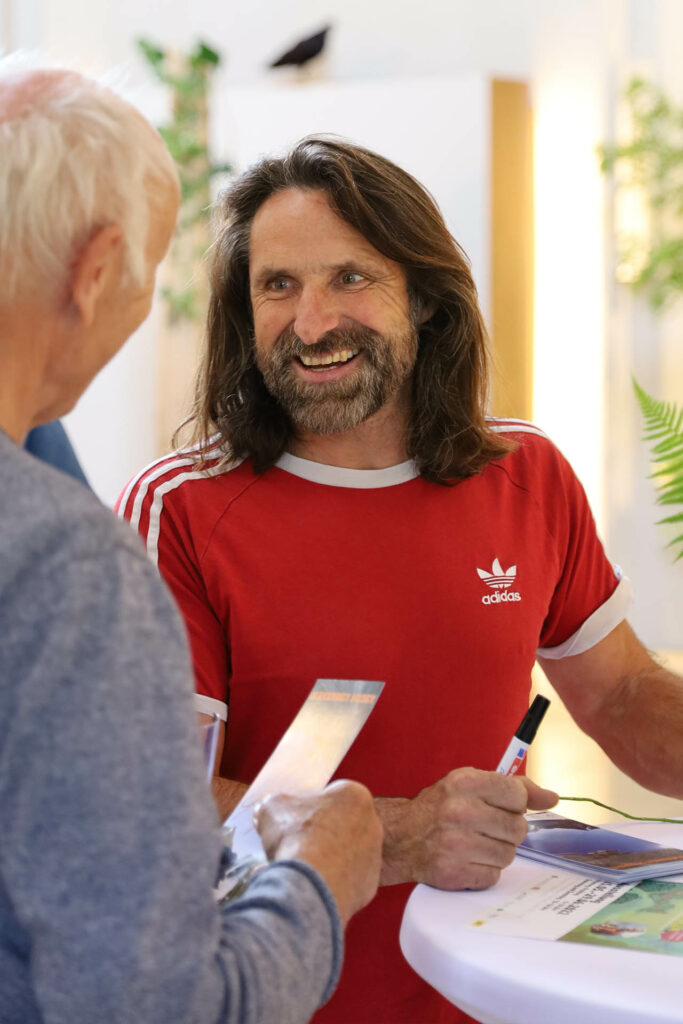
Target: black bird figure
[(304, 51)]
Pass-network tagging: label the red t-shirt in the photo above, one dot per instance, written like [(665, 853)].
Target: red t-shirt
[(444, 593)]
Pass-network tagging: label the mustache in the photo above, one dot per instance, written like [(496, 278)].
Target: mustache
[(289, 345)]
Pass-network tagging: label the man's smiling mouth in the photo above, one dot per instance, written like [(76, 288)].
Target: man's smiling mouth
[(329, 359)]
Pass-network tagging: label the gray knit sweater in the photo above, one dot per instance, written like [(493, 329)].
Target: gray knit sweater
[(108, 840)]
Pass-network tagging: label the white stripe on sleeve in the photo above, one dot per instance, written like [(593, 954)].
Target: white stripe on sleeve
[(597, 626), (515, 427), (210, 706), (158, 502), (164, 465)]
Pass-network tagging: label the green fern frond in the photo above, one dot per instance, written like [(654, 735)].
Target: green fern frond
[(664, 425)]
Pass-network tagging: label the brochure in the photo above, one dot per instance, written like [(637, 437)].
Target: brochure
[(596, 852), (562, 907), (648, 917), (546, 906)]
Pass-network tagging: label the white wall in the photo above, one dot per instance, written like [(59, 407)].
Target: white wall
[(589, 334), (402, 119)]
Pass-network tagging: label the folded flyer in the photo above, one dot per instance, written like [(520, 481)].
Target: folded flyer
[(304, 761), (596, 852)]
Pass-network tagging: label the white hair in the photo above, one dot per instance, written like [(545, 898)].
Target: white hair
[(73, 158)]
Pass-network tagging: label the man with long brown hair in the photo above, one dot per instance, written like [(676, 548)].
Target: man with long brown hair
[(350, 511)]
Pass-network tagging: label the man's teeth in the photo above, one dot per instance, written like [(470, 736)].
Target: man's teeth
[(341, 356)]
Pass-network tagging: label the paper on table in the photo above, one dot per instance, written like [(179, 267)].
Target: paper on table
[(648, 917), (309, 752), (547, 907)]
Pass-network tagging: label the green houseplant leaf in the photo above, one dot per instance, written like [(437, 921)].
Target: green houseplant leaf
[(664, 431)]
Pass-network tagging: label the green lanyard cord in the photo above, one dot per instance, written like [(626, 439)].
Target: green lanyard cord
[(633, 817)]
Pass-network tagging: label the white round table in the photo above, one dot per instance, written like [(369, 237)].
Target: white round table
[(503, 980)]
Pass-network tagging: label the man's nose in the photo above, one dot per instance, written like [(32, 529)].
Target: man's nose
[(316, 314)]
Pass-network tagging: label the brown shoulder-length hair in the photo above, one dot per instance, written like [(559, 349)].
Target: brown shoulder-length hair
[(449, 438)]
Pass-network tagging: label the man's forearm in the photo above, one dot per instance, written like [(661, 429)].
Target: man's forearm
[(641, 729), (629, 704), (227, 794), (399, 840)]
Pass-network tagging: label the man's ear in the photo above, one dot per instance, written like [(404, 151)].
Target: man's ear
[(93, 270), (422, 310), (428, 311)]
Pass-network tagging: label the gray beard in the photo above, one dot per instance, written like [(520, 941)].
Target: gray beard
[(339, 405)]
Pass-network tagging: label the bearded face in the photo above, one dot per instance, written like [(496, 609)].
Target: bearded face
[(335, 337), (340, 381)]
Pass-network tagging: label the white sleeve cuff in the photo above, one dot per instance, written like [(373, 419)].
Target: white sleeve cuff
[(210, 706), (597, 626)]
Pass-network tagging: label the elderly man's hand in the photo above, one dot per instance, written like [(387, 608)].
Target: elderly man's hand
[(337, 832), (460, 832)]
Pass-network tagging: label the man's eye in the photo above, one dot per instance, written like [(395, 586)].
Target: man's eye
[(278, 284), (351, 277)]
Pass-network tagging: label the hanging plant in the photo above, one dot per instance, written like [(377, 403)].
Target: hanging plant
[(188, 76)]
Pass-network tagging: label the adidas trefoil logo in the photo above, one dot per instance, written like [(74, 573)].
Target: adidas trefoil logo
[(500, 581), (497, 579)]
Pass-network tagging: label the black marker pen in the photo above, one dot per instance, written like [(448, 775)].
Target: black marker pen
[(515, 755)]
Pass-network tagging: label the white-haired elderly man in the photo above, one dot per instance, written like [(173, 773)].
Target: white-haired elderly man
[(109, 845)]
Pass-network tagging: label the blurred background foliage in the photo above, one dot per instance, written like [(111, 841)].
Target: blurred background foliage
[(188, 77), (651, 260), (651, 161)]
